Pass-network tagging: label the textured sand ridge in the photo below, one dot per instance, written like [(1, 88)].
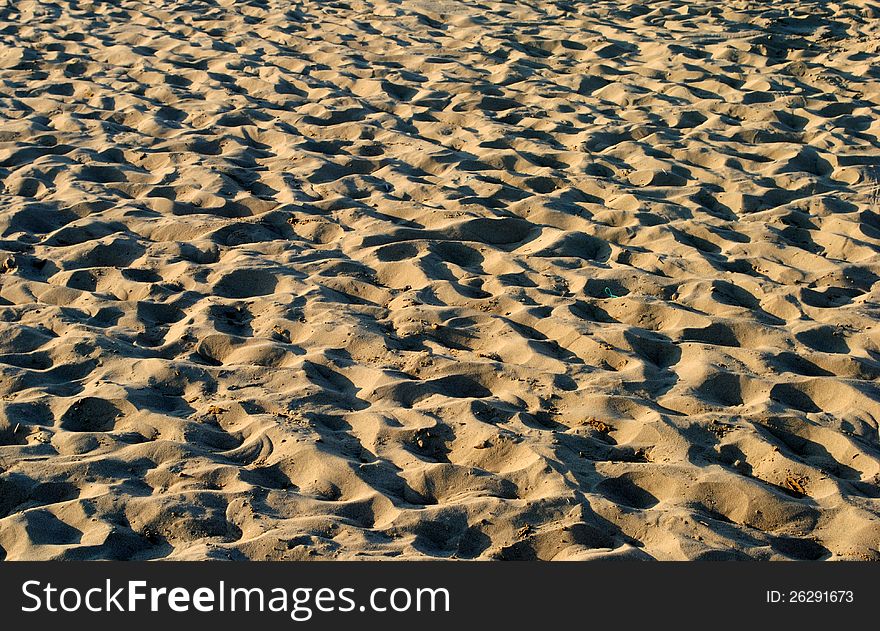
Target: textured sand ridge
[(452, 279)]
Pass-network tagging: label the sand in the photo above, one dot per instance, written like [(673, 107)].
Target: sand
[(439, 279)]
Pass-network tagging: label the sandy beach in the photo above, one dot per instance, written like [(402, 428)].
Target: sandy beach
[(452, 279)]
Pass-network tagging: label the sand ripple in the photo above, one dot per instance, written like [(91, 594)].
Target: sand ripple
[(457, 279)]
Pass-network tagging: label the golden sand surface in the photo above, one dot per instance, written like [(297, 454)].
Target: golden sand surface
[(439, 279)]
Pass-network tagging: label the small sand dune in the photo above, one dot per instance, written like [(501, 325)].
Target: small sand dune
[(439, 279)]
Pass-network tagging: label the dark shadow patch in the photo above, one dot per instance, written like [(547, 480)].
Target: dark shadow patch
[(791, 396), (90, 414), (246, 283), (44, 528), (716, 333), (800, 549), (623, 490)]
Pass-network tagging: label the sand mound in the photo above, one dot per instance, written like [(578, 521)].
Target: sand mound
[(459, 279)]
